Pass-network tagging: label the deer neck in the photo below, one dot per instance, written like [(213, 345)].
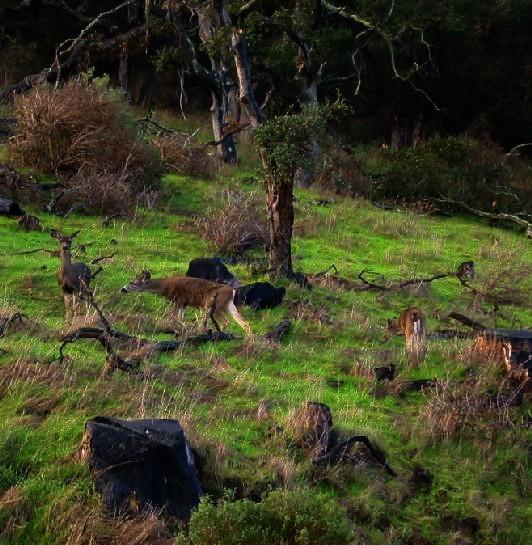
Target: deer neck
[(66, 262), (154, 286)]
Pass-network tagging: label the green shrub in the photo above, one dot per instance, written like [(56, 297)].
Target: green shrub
[(299, 517), (454, 168)]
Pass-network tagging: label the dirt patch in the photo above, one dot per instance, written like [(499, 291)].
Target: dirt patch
[(39, 407)]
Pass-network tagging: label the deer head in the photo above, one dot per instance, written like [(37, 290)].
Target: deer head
[(139, 283), (64, 241)]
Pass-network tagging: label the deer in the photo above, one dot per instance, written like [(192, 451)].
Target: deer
[(413, 324), (73, 278), (217, 300)]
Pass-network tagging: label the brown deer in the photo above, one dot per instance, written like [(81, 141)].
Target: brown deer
[(413, 324), (73, 278), (183, 291)]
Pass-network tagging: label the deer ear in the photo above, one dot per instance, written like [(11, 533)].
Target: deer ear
[(74, 235), (389, 322), (54, 233), (146, 274)]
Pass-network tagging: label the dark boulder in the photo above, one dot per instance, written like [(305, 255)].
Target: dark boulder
[(259, 295), (10, 208), (142, 466), (210, 268)]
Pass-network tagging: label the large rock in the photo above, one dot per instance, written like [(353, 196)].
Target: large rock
[(141, 465)]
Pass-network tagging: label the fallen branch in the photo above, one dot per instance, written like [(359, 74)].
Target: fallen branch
[(55, 253), (467, 321), (490, 215), (339, 453), (5, 322), (101, 258), (399, 284), (227, 134)]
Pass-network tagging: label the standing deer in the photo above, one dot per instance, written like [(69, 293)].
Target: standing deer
[(413, 324), (217, 300), (73, 278)]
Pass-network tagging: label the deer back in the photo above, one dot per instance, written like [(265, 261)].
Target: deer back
[(195, 292)]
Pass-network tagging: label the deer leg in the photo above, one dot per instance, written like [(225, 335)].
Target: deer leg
[(237, 317), (67, 301), (220, 318)]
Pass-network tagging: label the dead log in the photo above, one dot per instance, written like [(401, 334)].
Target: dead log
[(313, 427), (131, 364)]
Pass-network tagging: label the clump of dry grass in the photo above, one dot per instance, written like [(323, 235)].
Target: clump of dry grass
[(237, 225), (14, 504), (91, 527), (480, 406), (83, 135), (182, 153)]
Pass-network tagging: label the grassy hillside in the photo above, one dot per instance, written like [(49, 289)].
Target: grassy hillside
[(480, 478)]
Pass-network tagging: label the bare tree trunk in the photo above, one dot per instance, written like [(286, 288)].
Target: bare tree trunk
[(220, 94), (303, 176), (124, 73), (281, 218), (417, 130), (219, 112), (243, 72)]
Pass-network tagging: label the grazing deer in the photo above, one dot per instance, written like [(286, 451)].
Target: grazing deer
[(73, 278), (413, 324), (184, 291)]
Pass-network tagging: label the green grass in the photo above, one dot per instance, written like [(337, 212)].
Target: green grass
[(218, 387)]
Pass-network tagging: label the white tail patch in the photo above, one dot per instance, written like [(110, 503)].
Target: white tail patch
[(417, 328)]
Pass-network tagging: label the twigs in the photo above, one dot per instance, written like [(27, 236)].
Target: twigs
[(5, 322), (399, 284), (101, 258)]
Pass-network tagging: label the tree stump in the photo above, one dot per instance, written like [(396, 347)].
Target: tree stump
[(141, 466)]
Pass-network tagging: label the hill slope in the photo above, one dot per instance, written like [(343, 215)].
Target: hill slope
[(480, 475)]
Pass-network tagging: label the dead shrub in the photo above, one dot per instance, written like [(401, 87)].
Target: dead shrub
[(84, 136), (311, 428), (481, 406), (182, 153), (236, 226)]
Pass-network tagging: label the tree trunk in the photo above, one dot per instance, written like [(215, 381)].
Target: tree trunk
[(243, 72), (303, 176), (219, 110), (124, 73), (219, 76), (281, 218)]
